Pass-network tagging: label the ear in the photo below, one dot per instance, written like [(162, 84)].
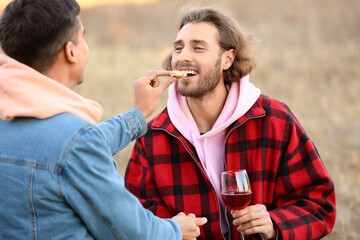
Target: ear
[(228, 58), (70, 53)]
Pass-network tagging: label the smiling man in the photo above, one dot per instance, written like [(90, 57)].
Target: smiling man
[(217, 120)]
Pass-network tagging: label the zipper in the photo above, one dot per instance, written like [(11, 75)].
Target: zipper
[(225, 165), (202, 171)]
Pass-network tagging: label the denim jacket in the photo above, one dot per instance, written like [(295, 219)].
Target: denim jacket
[(58, 181)]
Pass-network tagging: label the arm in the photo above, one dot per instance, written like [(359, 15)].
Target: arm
[(122, 129), (303, 189), (139, 180), (305, 193), (304, 201), (96, 192)]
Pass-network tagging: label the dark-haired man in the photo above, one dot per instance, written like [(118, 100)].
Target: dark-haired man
[(217, 120), (58, 179)]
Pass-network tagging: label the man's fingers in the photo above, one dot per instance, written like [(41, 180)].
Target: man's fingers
[(200, 221), (155, 83), (152, 79), (247, 210), (154, 74), (181, 214), (167, 82)]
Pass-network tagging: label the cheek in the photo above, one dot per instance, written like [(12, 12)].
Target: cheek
[(86, 52), (86, 47), (174, 61)]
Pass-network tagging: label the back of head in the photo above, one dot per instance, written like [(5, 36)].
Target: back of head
[(230, 37), (34, 31)]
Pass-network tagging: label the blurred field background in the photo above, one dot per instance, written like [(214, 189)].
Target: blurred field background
[(309, 58)]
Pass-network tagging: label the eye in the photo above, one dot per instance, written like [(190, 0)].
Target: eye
[(198, 48), (177, 49)]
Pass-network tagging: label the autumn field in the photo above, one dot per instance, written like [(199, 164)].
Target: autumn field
[(309, 58)]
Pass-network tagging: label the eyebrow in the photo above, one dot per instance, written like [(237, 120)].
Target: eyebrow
[(195, 41)]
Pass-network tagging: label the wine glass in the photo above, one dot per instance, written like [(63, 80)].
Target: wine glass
[(235, 190)]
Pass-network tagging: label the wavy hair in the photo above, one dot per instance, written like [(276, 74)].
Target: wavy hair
[(231, 37)]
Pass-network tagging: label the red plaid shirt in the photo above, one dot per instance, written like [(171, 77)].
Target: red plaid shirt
[(284, 167)]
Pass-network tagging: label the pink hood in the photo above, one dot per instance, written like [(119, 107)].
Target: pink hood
[(25, 92), (210, 146)]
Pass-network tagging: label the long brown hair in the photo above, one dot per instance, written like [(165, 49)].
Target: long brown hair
[(231, 37)]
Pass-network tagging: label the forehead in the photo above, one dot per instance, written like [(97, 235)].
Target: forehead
[(199, 31)]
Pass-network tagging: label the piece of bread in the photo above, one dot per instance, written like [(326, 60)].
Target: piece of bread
[(177, 74)]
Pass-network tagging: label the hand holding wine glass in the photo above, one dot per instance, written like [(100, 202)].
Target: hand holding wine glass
[(236, 195), (235, 190)]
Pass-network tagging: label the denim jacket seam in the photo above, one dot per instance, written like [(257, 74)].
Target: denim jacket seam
[(70, 145), (31, 204), (66, 155), (30, 163)]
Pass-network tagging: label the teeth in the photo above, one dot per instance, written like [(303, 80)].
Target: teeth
[(190, 72)]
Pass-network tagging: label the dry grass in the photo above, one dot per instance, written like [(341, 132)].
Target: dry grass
[(310, 57)]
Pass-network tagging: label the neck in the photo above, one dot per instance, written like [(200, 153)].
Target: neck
[(60, 72), (207, 109)]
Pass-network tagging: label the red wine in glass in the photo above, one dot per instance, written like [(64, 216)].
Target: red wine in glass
[(235, 190), (236, 200)]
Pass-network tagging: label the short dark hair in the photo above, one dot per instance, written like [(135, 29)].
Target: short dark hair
[(34, 31), (231, 37)]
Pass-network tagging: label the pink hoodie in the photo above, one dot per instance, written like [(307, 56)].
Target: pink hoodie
[(25, 92), (210, 146)]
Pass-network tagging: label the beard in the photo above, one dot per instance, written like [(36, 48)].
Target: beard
[(205, 85)]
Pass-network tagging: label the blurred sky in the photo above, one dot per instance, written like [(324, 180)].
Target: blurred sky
[(91, 3)]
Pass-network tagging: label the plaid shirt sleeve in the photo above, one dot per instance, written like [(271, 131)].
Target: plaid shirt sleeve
[(286, 172), (139, 181), (304, 192)]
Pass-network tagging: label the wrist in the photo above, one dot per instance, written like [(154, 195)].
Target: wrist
[(144, 112)]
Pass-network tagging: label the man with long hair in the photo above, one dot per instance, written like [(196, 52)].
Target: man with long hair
[(216, 120)]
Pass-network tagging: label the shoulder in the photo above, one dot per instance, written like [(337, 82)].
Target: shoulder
[(46, 141), (269, 104), (160, 125), (63, 131), (275, 108), (161, 120), (67, 125), (82, 144)]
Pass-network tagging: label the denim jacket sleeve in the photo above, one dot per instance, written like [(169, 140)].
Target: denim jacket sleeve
[(120, 130), (95, 191)]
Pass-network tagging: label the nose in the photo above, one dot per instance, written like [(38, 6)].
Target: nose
[(185, 55)]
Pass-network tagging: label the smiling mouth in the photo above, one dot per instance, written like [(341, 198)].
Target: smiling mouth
[(190, 73)]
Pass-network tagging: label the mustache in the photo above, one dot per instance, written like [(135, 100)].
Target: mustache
[(189, 65)]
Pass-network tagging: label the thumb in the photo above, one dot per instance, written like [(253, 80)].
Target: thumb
[(167, 82), (200, 221), (181, 214)]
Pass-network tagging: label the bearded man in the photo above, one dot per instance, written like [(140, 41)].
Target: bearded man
[(216, 120)]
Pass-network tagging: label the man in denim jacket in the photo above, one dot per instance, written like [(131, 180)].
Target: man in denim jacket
[(58, 179)]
